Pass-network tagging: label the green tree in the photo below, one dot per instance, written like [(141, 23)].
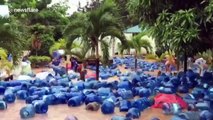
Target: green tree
[(179, 39), (46, 37), (172, 19), (13, 37), (47, 24), (94, 26)]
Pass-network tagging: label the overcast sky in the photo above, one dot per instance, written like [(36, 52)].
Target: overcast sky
[(73, 4)]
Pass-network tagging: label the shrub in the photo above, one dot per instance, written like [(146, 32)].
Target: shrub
[(39, 59), (4, 63), (151, 56)]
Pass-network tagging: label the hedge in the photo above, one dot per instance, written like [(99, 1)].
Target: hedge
[(39, 59)]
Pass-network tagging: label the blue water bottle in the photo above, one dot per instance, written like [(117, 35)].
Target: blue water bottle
[(107, 107), (61, 98), (22, 94), (120, 118), (30, 99), (71, 117), (125, 105), (40, 106), (40, 92), (9, 96), (104, 91), (50, 99), (3, 105), (27, 112), (2, 90), (75, 101), (92, 98), (133, 113)]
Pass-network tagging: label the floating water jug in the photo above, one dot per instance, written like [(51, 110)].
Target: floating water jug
[(27, 112), (50, 99), (9, 96), (133, 113), (92, 98), (40, 106), (71, 118), (75, 101), (22, 94), (125, 94), (107, 107), (2, 90), (3, 105), (125, 105), (120, 118), (30, 99), (206, 115), (61, 98)]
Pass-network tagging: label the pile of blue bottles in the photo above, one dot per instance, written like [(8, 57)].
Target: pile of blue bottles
[(132, 94)]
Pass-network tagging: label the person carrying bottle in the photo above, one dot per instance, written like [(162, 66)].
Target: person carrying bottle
[(57, 66), (170, 61)]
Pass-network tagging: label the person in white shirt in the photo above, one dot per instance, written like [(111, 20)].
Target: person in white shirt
[(201, 64)]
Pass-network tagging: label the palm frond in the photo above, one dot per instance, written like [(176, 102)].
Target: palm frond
[(61, 44), (81, 51)]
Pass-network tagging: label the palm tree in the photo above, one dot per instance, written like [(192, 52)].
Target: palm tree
[(137, 43), (94, 26)]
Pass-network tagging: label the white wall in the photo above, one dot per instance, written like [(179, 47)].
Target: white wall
[(128, 37), (117, 41)]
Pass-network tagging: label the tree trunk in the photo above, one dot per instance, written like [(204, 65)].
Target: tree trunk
[(185, 60), (178, 64), (136, 60), (113, 46), (83, 72), (97, 61), (36, 52)]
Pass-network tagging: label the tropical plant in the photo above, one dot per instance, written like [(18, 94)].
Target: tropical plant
[(47, 24), (169, 54), (151, 57), (94, 26), (45, 35), (178, 39), (177, 22), (4, 63), (60, 44), (137, 43), (13, 37)]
